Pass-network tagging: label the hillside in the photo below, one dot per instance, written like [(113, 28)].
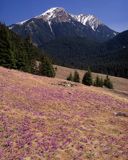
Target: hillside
[(120, 84), (77, 41), (16, 52), (48, 118), (109, 57), (21, 54)]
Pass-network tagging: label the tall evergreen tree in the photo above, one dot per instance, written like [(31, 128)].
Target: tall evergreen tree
[(46, 68), (87, 79), (5, 48), (76, 77)]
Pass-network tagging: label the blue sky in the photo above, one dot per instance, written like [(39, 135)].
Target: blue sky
[(113, 13)]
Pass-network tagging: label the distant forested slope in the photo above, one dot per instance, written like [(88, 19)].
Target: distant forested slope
[(21, 54), (110, 57)]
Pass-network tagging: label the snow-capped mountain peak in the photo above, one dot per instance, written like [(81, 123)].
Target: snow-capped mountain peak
[(58, 14), (89, 20), (55, 14), (53, 10), (57, 22)]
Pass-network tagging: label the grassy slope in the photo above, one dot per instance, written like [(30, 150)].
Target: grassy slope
[(41, 120), (120, 84)]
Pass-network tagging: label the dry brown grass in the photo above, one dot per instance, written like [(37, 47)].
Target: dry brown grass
[(43, 120), (120, 84)]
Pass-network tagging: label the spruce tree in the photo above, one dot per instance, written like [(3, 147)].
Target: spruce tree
[(87, 79), (46, 68), (98, 82), (76, 77), (108, 83), (5, 48), (70, 77), (101, 82)]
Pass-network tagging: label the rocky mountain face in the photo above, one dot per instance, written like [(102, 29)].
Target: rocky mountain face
[(118, 42), (57, 23)]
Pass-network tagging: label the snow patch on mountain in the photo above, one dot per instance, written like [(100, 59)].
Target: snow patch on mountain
[(53, 10), (22, 22), (50, 13), (11, 27), (89, 20), (49, 23), (115, 33), (54, 13)]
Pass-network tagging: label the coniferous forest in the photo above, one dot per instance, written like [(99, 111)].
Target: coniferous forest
[(110, 57), (21, 54)]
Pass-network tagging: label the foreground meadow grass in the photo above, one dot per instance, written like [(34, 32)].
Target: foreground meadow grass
[(41, 120)]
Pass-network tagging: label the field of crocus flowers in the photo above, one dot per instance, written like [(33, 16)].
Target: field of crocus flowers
[(40, 119)]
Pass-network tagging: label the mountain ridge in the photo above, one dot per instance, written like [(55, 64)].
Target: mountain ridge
[(77, 44), (57, 22)]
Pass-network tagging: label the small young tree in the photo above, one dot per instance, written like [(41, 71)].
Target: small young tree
[(108, 83), (98, 82), (70, 77), (101, 82), (76, 77), (87, 79)]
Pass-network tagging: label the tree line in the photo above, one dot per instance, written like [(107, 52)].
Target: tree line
[(21, 54), (88, 80), (108, 58)]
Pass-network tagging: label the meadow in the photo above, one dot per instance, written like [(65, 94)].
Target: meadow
[(40, 119), (120, 84)]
